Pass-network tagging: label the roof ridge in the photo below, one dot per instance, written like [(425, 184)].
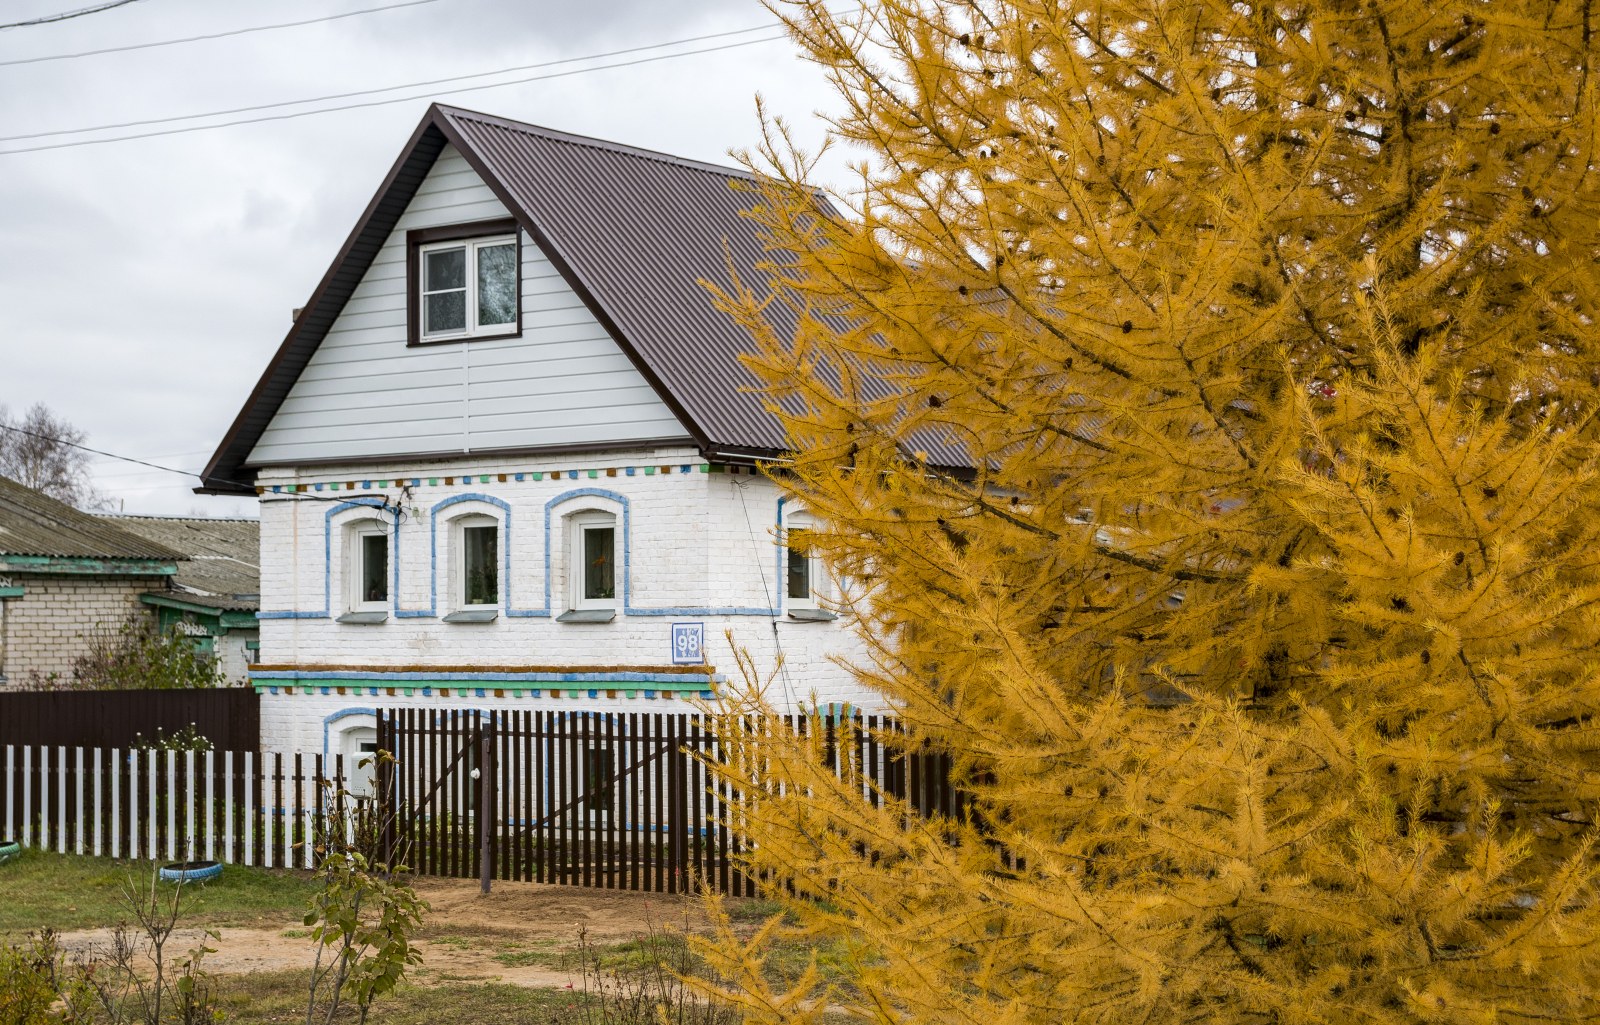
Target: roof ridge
[(184, 519), (593, 142)]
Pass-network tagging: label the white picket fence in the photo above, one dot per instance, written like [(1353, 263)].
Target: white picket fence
[(235, 807)]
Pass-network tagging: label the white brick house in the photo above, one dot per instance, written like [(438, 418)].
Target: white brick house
[(507, 453)]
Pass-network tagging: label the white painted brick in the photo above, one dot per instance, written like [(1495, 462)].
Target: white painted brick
[(697, 541)]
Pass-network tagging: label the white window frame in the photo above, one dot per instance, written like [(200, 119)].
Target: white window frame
[(816, 573), (354, 568), (458, 560), (578, 524), (470, 288)]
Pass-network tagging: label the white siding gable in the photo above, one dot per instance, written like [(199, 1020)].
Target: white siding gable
[(364, 394)]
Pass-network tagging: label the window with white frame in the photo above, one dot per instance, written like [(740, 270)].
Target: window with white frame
[(367, 569), (803, 575), (594, 573), (475, 566), (467, 288)]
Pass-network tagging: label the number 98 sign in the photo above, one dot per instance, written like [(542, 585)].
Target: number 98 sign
[(688, 643)]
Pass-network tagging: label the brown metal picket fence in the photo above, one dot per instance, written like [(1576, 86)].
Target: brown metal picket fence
[(608, 800)]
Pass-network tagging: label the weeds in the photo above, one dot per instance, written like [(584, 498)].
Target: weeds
[(650, 990), (133, 981)]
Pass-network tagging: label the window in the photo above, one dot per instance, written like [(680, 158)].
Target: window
[(804, 577), (465, 282), (366, 573), (480, 564), (372, 571), (799, 561), (594, 574)]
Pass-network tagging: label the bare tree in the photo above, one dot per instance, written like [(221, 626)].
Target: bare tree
[(36, 449)]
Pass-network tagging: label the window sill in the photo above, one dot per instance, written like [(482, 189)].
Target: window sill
[(485, 336), (587, 616), (812, 615), (473, 616), (363, 618)]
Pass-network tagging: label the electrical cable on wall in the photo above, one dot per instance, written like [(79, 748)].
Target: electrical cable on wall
[(771, 596)]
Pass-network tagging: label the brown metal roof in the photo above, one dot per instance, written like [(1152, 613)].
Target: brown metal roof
[(639, 230), (633, 231), (35, 525)]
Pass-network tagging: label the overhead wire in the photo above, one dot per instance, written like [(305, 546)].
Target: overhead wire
[(392, 88), (65, 15), (211, 35), (297, 495)]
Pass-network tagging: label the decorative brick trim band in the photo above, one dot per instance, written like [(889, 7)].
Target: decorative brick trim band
[(446, 685), (463, 480)]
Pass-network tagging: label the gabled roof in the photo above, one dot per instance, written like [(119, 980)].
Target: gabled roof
[(34, 525), (224, 556), (632, 231)]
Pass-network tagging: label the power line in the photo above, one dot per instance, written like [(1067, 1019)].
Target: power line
[(169, 469), (397, 99), (384, 89), (213, 35), (47, 19)]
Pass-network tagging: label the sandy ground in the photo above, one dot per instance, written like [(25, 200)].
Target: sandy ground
[(463, 932)]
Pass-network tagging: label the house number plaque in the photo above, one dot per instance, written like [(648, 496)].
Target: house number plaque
[(688, 644)]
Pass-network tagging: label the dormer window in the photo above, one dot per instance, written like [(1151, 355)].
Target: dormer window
[(465, 282)]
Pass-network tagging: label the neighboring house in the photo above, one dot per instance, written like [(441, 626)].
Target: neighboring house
[(214, 596), (65, 574), (507, 454)]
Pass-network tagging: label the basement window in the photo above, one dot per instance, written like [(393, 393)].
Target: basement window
[(465, 282)]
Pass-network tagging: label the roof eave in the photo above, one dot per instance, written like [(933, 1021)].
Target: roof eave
[(220, 476)]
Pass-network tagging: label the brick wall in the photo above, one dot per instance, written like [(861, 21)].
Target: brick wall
[(47, 628), (701, 548)]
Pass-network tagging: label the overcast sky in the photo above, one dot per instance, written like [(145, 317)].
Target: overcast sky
[(147, 282)]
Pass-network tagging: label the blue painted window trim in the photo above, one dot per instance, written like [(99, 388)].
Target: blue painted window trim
[(776, 609), (343, 713)]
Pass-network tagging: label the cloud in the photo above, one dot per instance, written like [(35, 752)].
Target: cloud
[(149, 282)]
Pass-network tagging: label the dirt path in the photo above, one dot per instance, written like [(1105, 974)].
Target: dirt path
[(519, 934)]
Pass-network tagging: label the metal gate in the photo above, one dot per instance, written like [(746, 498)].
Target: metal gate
[(618, 801)]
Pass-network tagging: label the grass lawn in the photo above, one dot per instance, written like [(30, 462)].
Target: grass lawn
[(69, 892)]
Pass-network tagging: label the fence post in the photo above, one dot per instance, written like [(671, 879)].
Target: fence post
[(486, 801), (383, 785)]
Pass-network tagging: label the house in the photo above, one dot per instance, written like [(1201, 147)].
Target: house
[(65, 574), (215, 593), (508, 456)]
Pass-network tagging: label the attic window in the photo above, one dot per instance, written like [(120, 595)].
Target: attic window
[(465, 282)]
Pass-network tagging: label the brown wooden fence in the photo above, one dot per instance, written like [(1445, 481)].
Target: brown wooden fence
[(229, 717), (617, 801)]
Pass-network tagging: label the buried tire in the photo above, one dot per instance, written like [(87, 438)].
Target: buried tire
[(191, 871), (9, 849)]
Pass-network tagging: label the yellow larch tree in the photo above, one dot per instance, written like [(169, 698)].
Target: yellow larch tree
[(1200, 400)]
